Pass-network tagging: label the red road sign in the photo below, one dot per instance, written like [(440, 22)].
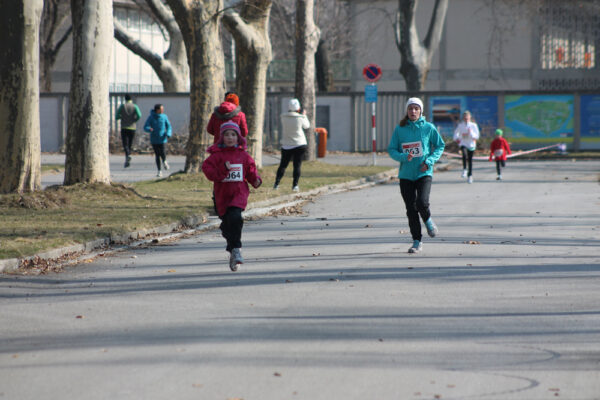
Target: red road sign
[(372, 72)]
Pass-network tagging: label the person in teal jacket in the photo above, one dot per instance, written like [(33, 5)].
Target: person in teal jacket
[(417, 145), (159, 127)]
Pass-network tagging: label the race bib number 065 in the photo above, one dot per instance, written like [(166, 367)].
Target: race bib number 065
[(414, 148), (236, 173)]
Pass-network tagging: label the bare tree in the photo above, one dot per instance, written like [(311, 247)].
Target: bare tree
[(53, 34), (332, 18), (199, 23), (416, 56), (19, 96), (88, 119), (307, 40), (172, 67), (253, 55)]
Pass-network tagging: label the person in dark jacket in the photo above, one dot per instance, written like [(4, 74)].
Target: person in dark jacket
[(231, 168), (129, 113), (229, 110), (159, 127)]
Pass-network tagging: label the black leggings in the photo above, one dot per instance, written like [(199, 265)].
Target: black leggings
[(499, 163), (231, 227), (127, 138), (286, 155), (159, 154), (467, 158), (416, 198)]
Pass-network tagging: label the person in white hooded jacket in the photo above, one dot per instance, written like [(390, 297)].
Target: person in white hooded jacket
[(466, 134), (293, 142)]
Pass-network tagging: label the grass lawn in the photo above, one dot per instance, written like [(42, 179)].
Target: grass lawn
[(64, 215)]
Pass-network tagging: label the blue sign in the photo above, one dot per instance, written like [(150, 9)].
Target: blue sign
[(371, 93)]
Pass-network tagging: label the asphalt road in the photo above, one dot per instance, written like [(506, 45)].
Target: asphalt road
[(503, 304)]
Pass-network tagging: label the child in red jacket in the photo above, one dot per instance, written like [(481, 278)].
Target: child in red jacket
[(230, 167), (499, 149)]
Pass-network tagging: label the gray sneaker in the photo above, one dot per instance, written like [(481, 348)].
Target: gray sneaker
[(416, 247), (166, 165), (235, 258)]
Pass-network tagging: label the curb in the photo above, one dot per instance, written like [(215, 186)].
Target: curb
[(188, 226)]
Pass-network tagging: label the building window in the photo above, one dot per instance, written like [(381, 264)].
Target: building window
[(569, 34)]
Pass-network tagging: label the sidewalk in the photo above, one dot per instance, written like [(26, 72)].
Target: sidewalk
[(143, 167)]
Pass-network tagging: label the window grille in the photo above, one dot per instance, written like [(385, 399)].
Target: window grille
[(569, 34)]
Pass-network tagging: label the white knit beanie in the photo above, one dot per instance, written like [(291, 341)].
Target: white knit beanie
[(413, 100), (294, 105)]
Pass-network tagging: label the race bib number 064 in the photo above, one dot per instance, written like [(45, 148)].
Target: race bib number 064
[(236, 173), (414, 148)]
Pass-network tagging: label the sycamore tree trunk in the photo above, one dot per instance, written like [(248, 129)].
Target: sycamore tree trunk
[(55, 17), (19, 97), (323, 65), (416, 56), (199, 23), (88, 119), (172, 67), (250, 29), (307, 40)]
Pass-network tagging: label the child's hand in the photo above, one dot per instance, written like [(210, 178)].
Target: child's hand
[(227, 165), (424, 167), (257, 183), (410, 156)]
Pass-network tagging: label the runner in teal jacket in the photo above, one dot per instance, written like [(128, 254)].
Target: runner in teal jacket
[(417, 145), (422, 140)]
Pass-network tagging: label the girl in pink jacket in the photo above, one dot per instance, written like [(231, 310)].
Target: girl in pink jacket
[(231, 168)]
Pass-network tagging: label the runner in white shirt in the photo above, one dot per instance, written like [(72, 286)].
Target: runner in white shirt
[(466, 134)]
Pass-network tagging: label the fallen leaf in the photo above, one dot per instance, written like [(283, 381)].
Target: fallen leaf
[(334, 280), (316, 254), (368, 226), (288, 281), (79, 317), (380, 339), (276, 374), (472, 242), (171, 270)]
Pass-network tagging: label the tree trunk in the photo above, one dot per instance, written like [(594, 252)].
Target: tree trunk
[(307, 40), (55, 15), (253, 55), (172, 68), (199, 23), (323, 65), (416, 56), (88, 120), (19, 97)]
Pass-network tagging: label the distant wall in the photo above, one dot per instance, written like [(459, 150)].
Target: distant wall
[(529, 118)]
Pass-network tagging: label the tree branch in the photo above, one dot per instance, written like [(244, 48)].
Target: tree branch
[(436, 25), (136, 46)]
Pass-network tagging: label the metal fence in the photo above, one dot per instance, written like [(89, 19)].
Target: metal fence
[(346, 116)]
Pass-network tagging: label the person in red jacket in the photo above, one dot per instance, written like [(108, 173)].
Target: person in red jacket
[(231, 168), (499, 149), (229, 110)]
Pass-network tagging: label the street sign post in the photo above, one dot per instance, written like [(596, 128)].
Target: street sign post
[(372, 73)]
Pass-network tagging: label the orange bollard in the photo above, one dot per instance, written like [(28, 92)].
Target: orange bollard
[(322, 149)]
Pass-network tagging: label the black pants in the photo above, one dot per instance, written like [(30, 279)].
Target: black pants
[(467, 158), (127, 138), (416, 198), (159, 154), (231, 227), (286, 155), (499, 164)]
